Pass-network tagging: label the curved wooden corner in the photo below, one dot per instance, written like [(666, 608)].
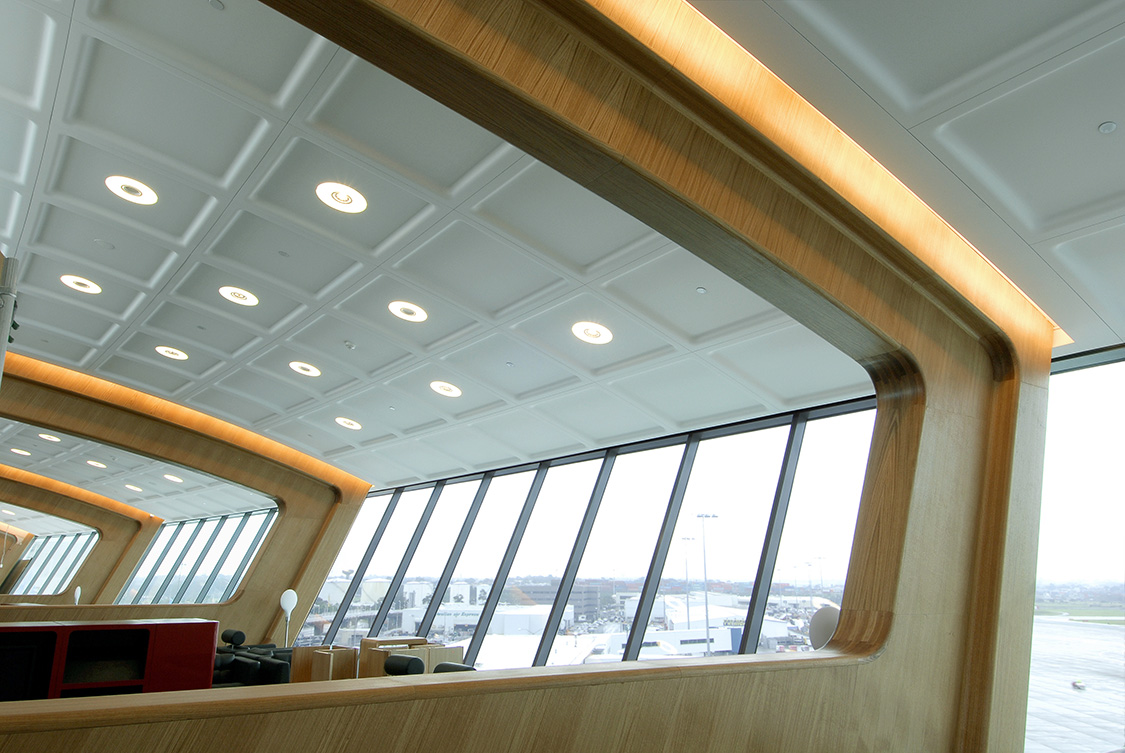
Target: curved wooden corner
[(124, 532), (317, 502)]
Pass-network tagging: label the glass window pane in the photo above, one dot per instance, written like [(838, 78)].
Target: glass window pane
[(187, 564), (343, 570), (472, 579), (68, 565), (164, 568), (46, 562), (429, 559), (384, 563), (211, 560), (614, 565), (816, 543), (1079, 622), (515, 630), (245, 549), (131, 592), (704, 591)]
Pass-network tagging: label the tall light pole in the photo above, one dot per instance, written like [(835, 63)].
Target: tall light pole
[(687, 583), (706, 605)]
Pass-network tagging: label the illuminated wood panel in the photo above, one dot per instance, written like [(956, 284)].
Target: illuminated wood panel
[(124, 532), (644, 102), (317, 503)]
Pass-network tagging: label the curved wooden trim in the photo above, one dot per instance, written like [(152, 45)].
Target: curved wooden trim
[(317, 502), (124, 532)]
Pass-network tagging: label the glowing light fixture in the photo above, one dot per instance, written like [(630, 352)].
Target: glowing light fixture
[(445, 389), (81, 284), (173, 479), (7, 512), (18, 451), (131, 189), (341, 198), (49, 437), (169, 352), (133, 488), (238, 295), (349, 423), (591, 332), (95, 463), (306, 369), (408, 311)]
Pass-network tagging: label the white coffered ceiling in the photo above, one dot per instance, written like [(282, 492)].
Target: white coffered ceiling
[(234, 114)]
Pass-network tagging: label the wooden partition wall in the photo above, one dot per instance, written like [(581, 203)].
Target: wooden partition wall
[(124, 533), (317, 503), (647, 104)]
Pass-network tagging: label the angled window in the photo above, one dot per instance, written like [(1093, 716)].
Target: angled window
[(52, 561)]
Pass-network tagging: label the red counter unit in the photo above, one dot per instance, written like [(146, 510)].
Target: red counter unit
[(70, 659)]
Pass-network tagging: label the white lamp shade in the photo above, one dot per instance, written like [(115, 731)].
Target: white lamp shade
[(288, 601)]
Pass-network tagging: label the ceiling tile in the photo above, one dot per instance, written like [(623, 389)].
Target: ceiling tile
[(28, 39), (142, 347), (17, 142), (475, 397), (187, 327), (117, 299), (532, 435), (95, 240), (169, 118), (368, 353), (274, 393), (312, 438), (393, 124), (219, 402), (382, 411), (10, 202), (79, 176), (444, 324), (297, 262), (1096, 261), (63, 318), (666, 290), (1047, 168), (146, 378), (690, 394), (562, 220), (632, 343), (247, 47), (371, 432), (604, 418), (275, 362), (914, 52), (52, 347), (289, 188), (472, 448), (200, 286), (511, 367), (794, 367), (424, 460), (479, 271)]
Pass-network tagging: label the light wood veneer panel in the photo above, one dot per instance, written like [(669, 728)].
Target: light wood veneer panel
[(648, 105), (317, 503), (124, 532)]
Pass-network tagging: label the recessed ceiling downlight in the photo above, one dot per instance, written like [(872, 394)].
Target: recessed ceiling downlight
[(169, 352), (349, 423), (49, 437), (131, 189), (18, 451), (411, 312), (305, 369), (592, 332), (173, 479), (95, 463), (81, 284), (238, 295), (133, 488), (445, 389), (341, 198)]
